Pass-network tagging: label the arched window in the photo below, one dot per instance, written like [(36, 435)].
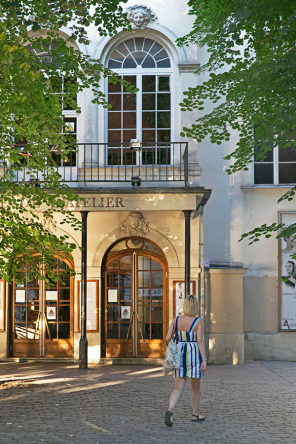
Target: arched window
[(139, 51), (146, 115)]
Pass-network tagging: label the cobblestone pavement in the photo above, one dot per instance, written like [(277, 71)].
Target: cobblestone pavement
[(61, 404)]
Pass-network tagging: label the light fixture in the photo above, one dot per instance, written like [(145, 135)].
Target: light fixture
[(135, 145), (136, 181)]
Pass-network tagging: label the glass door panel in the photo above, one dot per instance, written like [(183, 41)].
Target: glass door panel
[(43, 315), (135, 318)]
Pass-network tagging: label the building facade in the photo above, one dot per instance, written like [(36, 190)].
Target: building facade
[(153, 231)]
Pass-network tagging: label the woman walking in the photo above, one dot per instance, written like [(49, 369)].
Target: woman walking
[(193, 357)]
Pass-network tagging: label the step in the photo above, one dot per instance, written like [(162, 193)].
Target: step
[(131, 361)]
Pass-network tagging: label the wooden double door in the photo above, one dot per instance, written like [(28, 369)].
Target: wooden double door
[(42, 315), (135, 301)]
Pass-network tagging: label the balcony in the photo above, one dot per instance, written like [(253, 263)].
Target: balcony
[(91, 164)]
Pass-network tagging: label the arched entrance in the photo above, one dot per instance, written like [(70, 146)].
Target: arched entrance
[(42, 314), (134, 299)]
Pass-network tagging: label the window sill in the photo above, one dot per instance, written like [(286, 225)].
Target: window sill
[(260, 187)]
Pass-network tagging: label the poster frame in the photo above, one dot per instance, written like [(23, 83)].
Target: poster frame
[(97, 308), (289, 330), (192, 287), (2, 327)]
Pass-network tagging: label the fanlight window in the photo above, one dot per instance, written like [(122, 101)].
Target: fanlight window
[(139, 51)]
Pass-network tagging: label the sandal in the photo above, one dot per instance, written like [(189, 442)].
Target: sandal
[(168, 418), (198, 418)]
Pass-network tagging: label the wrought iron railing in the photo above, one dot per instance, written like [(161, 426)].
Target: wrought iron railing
[(110, 162)]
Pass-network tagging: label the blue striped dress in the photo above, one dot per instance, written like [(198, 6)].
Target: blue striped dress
[(190, 354)]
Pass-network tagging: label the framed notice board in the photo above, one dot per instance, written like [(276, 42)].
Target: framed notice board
[(92, 310), (179, 295), (2, 305)]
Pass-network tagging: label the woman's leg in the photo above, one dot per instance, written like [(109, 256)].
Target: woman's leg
[(195, 384), (177, 392)]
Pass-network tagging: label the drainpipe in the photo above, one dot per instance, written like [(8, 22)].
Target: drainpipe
[(187, 214)]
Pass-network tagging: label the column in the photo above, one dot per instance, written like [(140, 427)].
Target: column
[(83, 339), (187, 214)]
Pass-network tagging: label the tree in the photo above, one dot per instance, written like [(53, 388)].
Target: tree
[(252, 78), (34, 57)]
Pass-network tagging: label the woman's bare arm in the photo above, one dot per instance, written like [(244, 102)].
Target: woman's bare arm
[(170, 331), (201, 344)]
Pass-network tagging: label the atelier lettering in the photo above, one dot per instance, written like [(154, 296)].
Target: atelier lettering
[(100, 202)]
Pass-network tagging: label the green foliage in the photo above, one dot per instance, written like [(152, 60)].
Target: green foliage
[(34, 56), (252, 78)]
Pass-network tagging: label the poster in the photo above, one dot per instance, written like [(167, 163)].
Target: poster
[(51, 313), (112, 295), (125, 312), (179, 287), (91, 305), (51, 295), (20, 296), (288, 271)]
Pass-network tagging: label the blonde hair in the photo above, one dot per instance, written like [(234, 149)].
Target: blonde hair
[(191, 305)]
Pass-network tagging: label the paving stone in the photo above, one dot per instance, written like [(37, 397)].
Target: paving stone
[(60, 404)]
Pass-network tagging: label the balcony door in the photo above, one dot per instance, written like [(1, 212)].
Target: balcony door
[(42, 315), (135, 300), (145, 115)]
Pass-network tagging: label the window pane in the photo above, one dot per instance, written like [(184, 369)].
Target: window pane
[(117, 56), (19, 314), (164, 64), (115, 101), (112, 331), (148, 136), (156, 278), (144, 279), (129, 62), (143, 263), (287, 173), (263, 173), (124, 330), (64, 331), (144, 329), (156, 331), (144, 313), (126, 263), (163, 101), (53, 331), (148, 83), (148, 101), (112, 313), (147, 45), (130, 44), (287, 154), (131, 79), (114, 88), (148, 62), (163, 136), (114, 136), (125, 294), (139, 56), (163, 119), (122, 48), (156, 314), (268, 158), (155, 48), (129, 120), (128, 135), (161, 55), (114, 120), (114, 64), (148, 119), (163, 83), (129, 101), (64, 314), (139, 43)]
